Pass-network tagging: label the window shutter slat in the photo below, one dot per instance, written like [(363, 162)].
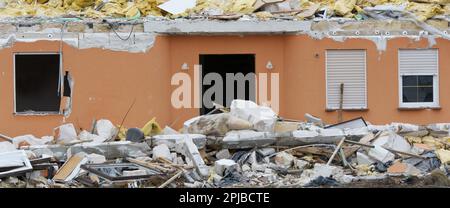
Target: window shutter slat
[(348, 67), (418, 61)]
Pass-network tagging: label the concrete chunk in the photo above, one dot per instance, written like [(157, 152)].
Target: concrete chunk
[(247, 139), (223, 154), (284, 159), (220, 166), (171, 140), (162, 151)]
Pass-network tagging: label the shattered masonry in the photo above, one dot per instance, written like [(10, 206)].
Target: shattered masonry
[(232, 149)]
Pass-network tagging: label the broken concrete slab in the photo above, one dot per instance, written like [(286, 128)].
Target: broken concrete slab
[(247, 139), (59, 152), (286, 126), (112, 150), (266, 151), (171, 140), (217, 124)]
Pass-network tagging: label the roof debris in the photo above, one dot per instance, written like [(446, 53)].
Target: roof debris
[(261, 9)]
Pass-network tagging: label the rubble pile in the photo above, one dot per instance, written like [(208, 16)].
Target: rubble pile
[(420, 10), (246, 145)]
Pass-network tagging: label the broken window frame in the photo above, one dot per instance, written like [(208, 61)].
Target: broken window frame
[(60, 84), (435, 103)]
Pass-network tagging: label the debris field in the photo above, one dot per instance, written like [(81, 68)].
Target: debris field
[(245, 145)]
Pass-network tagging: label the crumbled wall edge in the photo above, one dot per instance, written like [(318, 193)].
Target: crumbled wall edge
[(134, 43)]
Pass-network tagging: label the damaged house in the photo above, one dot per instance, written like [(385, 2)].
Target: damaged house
[(75, 61)]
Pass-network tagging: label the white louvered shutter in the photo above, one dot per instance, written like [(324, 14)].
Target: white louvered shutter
[(418, 61), (348, 67)]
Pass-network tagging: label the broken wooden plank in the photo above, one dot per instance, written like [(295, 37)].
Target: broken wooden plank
[(336, 151), (148, 165), (171, 179), (6, 137)]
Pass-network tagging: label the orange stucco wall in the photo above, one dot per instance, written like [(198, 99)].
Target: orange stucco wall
[(107, 82)]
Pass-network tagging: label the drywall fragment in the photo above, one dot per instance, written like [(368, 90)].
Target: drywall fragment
[(177, 6), (30, 140), (263, 118), (65, 133), (393, 141), (105, 129)]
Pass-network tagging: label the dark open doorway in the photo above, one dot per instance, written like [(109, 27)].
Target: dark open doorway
[(37, 83), (237, 66)]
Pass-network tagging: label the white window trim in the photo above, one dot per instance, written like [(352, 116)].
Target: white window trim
[(435, 103), (365, 83), (36, 113)]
